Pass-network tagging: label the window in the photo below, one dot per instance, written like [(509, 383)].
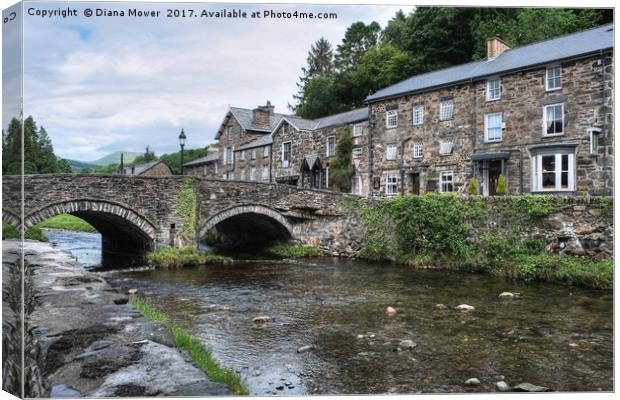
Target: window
[(286, 154), (391, 118), (265, 151), (242, 175), (357, 153), (216, 167), (553, 120), (445, 147), (446, 109), (390, 152), (553, 172), (358, 130), (265, 174), (357, 185), (494, 89), (391, 184), (594, 132), (327, 177), (553, 78), (330, 146), (229, 176), (253, 174), (253, 154), (230, 133), (446, 182), (493, 127), (242, 155), (418, 114), (228, 156), (225, 176), (418, 150)]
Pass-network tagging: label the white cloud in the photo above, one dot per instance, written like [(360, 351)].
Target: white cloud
[(100, 85)]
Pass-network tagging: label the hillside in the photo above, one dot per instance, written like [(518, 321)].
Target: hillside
[(115, 158), (77, 166)]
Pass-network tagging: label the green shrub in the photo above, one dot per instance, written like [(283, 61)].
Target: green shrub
[(35, 233), (472, 186), (8, 232), (502, 188), (289, 251), (174, 257)]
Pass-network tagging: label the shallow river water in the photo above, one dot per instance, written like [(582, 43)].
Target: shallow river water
[(554, 336)]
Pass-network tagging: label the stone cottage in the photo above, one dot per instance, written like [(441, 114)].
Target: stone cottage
[(206, 166), (539, 115), (155, 168)]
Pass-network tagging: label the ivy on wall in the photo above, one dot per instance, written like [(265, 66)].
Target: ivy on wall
[(187, 211)]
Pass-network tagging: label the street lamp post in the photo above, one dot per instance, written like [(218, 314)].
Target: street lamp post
[(182, 138)]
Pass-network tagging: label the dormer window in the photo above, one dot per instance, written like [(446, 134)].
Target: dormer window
[(553, 78)]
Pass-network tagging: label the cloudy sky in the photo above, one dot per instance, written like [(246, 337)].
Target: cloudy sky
[(103, 84)]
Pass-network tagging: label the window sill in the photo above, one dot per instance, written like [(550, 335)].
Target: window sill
[(391, 127), (493, 141), (446, 120), (553, 135), (553, 90), (492, 100)]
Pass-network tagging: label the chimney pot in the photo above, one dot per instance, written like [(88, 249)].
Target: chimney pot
[(495, 47)]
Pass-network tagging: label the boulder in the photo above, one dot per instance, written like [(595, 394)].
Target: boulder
[(506, 295), (440, 306), (465, 307), (262, 319), (528, 387), (472, 382), (407, 344), (132, 291), (502, 386)]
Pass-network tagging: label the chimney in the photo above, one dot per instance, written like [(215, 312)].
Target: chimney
[(260, 116), (495, 47)]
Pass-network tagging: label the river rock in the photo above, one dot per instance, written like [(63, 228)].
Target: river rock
[(303, 349), (407, 344), (59, 391), (472, 382), (100, 344), (528, 387), (502, 386), (506, 295), (262, 319), (440, 306), (465, 307), (132, 291), (391, 311), (360, 336)]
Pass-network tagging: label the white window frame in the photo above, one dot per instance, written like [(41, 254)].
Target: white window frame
[(327, 177), (537, 172), (357, 153), (330, 149), (253, 174), (265, 174), (444, 107), (356, 187), (417, 114), (550, 70), (445, 147), (229, 155), (418, 150), (287, 162), (487, 127), (545, 120), (393, 149), (242, 155), (494, 93), (391, 119), (254, 154), (265, 151), (446, 174), (229, 133), (216, 166), (391, 184), (358, 130)]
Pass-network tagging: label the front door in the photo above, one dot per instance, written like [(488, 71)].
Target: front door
[(491, 175), (415, 183)]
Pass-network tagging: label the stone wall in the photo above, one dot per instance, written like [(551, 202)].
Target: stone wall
[(587, 96)]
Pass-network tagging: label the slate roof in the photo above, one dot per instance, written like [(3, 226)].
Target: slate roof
[(140, 169), (260, 142), (211, 157), (519, 58), (357, 115)]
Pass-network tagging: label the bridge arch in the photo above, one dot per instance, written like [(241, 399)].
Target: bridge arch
[(249, 223), (124, 232), (11, 219)]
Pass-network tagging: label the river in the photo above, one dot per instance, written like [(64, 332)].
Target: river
[(555, 336)]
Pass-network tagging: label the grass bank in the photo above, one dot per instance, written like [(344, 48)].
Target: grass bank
[(34, 233), (294, 251), (446, 231), (201, 356), (67, 222), (173, 257)]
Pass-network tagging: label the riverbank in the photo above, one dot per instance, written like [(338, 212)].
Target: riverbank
[(89, 341)]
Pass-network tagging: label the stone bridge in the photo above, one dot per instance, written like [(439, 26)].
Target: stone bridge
[(141, 213)]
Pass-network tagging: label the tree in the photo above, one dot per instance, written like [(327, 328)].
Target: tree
[(341, 171), (358, 38), (319, 98), (320, 63)]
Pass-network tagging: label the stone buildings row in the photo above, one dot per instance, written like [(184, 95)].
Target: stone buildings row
[(539, 115)]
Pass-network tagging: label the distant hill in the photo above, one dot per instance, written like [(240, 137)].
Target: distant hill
[(115, 158), (77, 166)]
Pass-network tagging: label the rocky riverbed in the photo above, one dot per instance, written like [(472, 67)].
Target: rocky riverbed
[(87, 340)]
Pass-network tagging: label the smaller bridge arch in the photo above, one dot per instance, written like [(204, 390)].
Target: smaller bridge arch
[(249, 223), (11, 219)]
